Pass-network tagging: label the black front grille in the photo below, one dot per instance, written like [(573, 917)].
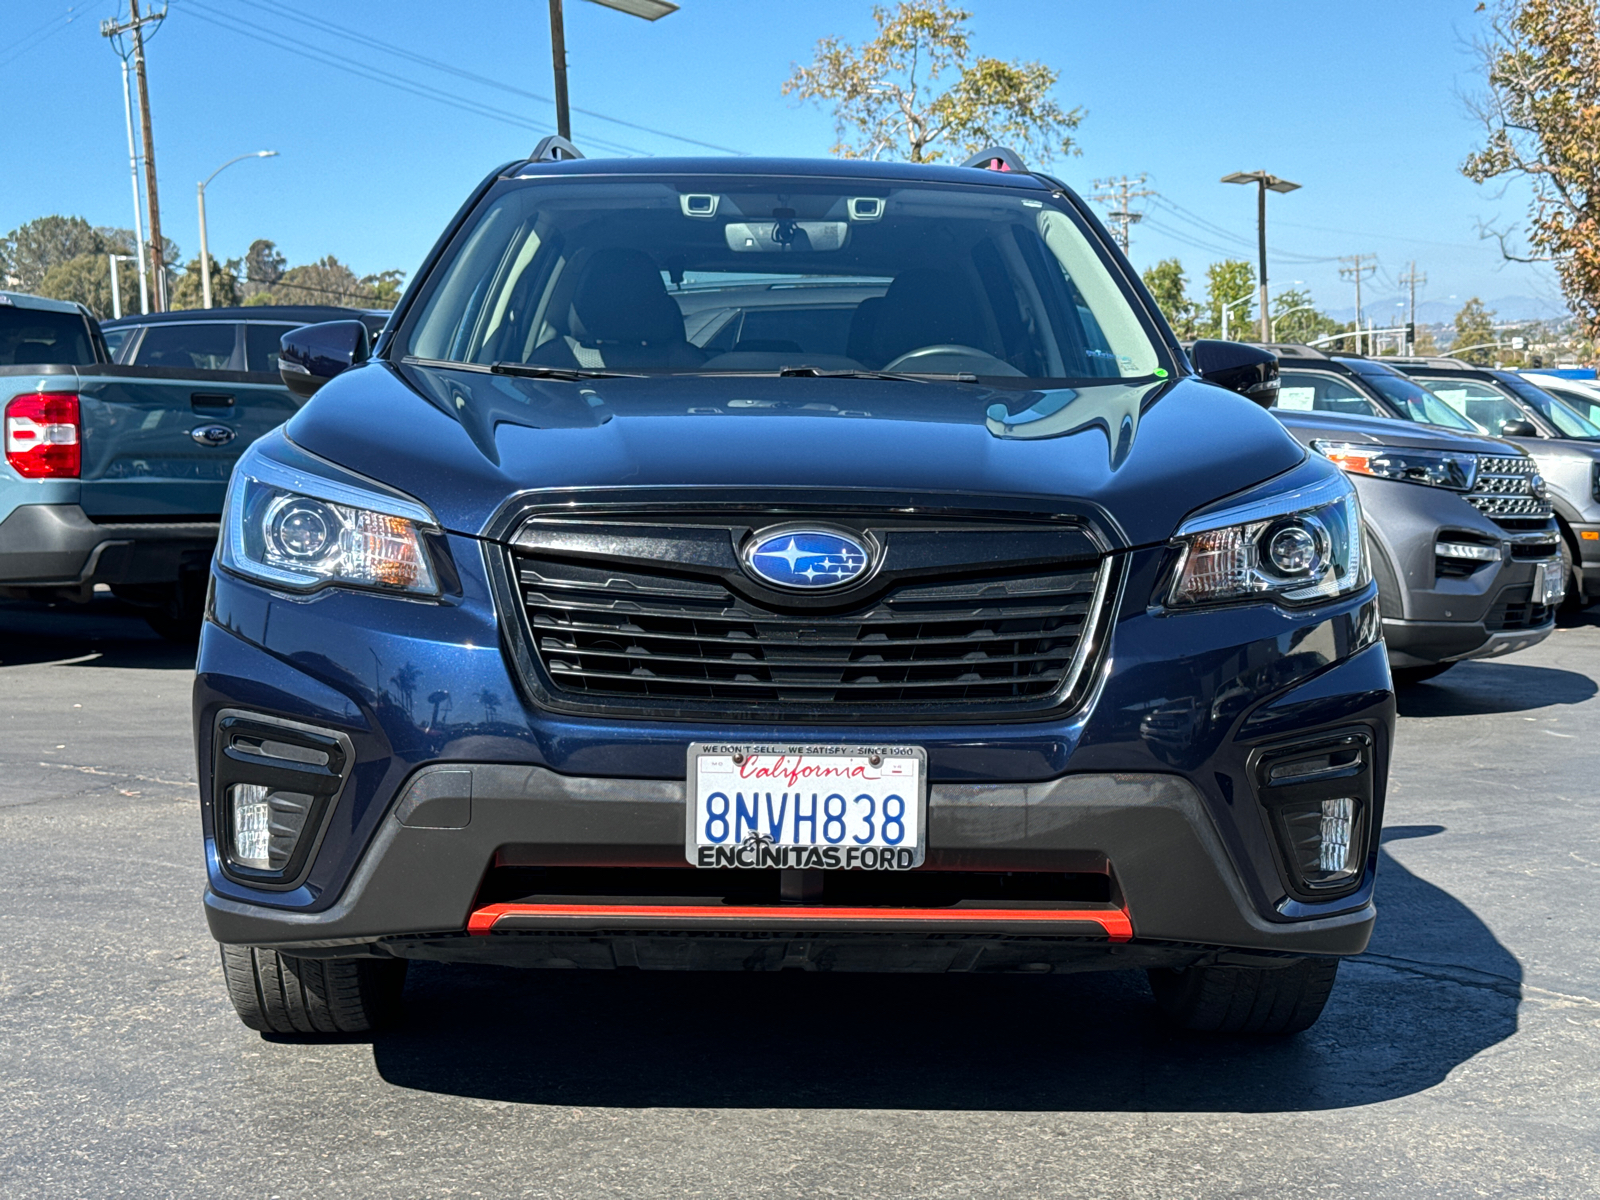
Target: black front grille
[(649, 640), (1514, 609)]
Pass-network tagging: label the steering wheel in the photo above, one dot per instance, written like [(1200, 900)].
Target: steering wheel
[(951, 358)]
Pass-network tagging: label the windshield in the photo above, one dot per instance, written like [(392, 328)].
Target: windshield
[(1312, 391), (759, 274), (1416, 401), (1581, 401), (1485, 405), (1555, 411)]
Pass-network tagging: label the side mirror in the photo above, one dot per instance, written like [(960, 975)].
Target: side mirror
[(1248, 370), (1518, 429), (314, 354)]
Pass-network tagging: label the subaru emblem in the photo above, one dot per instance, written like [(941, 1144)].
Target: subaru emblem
[(807, 559), (212, 435)]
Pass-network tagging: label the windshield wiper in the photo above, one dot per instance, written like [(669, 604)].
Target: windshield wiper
[(540, 371), (852, 373)]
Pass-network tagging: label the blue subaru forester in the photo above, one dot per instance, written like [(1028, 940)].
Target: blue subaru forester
[(755, 564)]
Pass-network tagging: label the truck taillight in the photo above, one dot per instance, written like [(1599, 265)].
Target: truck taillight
[(42, 436)]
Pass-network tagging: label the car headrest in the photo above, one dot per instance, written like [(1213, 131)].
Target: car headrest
[(926, 307), (621, 298)]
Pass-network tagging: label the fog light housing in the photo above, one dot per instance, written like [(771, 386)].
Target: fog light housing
[(275, 783), (1319, 799)]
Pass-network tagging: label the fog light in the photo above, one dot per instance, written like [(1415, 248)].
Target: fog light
[(1324, 841), (267, 825)]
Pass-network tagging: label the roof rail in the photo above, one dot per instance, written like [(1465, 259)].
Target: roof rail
[(997, 158), (554, 149)]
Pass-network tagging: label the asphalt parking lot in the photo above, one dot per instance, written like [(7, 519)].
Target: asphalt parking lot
[(1460, 1056)]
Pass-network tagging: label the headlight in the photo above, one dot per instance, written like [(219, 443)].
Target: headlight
[(1299, 548), (301, 530), (1436, 468)]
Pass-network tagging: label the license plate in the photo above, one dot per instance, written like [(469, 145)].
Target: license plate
[(807, 807)]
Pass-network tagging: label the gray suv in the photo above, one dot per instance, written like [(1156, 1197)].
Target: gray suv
[(1463, 543)]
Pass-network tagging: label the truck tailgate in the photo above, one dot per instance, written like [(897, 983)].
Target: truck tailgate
[(161, 442)]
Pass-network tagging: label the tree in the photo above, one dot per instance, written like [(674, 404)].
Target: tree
[(385, 288), (1296, 319), (326, 281), (263, 264), (1541, 119), (1227, 283), (31, 251), (888, 100), (189, 291), (86, 279), (1474, 327), (1169, 289)]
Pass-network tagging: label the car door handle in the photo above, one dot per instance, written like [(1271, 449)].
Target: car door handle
[(211, 399)]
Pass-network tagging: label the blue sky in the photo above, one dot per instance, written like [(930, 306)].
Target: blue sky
[(1359, 101)]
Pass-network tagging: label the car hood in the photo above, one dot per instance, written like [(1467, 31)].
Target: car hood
[(1338, 427), (1136, 458)]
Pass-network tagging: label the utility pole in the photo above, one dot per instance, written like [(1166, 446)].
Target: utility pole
[(1411, 278), (558, 54), (1119, 192), (134, 27), (1357, 271)]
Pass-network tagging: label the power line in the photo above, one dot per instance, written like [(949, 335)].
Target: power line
[(29, 42), (1210, 229), (423, 60), (1119, 192), (244, 28)]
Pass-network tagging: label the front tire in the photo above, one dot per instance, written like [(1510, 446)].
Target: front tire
[(279, 993), (1259, 1000)]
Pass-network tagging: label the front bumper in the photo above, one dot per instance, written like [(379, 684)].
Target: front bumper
[(1149, 785), (58, 547), (1172, 872), (1431, 616)]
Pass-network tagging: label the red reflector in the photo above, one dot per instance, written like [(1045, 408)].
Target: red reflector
[(41, 435), (1114, 923)]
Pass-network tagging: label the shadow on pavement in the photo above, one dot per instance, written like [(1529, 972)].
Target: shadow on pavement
[(950, 1042), (102, 633), (1481, 688)]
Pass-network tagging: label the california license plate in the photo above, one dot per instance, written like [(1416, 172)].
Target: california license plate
[(807, 807)]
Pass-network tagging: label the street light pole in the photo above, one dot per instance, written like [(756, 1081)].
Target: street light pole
[(1264, 183), (650, 10), (205, 254), (1227, 310)]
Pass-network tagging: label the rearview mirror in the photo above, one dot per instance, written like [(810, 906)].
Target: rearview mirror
[(314, 354), (1248, 370), (1518, 429)]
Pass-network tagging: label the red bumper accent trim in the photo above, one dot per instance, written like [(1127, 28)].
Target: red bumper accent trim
[(1115, 922)]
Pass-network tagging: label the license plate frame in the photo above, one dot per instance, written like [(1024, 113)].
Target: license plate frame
[(758, 849)]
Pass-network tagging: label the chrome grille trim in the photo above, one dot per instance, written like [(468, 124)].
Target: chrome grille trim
[(1504, 489)]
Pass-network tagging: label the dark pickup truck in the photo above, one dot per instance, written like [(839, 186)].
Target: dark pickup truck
[(115, 474)]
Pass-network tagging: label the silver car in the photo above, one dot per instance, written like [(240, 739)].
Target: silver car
[(1564, 443), (1458, 529)]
